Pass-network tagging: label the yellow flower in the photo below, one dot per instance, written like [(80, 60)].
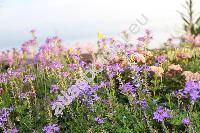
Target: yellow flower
[(100, 36), (71, 50)]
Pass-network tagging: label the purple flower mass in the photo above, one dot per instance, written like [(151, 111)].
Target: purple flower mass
[(51, 128), (191, 90), (3, 77), (75, 91), (55, 65), (99, 120), (4, 114), (160, 59), (186, 121), (13, 130), (142, 103), (127, 88), (28, 78), (113, 69), (161, 113), (54, 88), (104, 86)]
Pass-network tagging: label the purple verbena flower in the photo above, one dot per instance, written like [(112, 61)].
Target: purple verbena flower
[(161, 113), (4, 77), (54, 88), (186, 121), (142, 103), (51, 128), (28, 78), (59, 104), (55, 65), (113, 69), (73, 66), (160, 59), (73, 92), (127, 88), (100, 120), (4, 114), (191, 90), (13, 130), (54, 39), (21, 95)]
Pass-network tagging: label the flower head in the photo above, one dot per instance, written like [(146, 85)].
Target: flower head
[(54, 88), (28, 78), (99, 120), (193, 89), (161, 114), (190, 76), (4, 114), (127, 88), (157, 70), (186, 121), (13, 130), (51, 128), (173, 67), (142, 103), (55, 65), (160, 59)]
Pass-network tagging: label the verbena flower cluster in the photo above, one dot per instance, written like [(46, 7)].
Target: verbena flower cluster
[(191, 91), (51, 128), (161, 114)]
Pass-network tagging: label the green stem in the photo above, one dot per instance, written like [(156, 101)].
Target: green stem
[(148, 123), (164, 127)]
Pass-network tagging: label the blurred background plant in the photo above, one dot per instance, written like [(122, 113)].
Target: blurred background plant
[(191, 25), (191, 18)]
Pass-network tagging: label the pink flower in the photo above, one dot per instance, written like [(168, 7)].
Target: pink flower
[(189, 38), (190, 76), (174, 68), (33, 31), (65, 74), (1, 91), (197, 39), (10, 60)]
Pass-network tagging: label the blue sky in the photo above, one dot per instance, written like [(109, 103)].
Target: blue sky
[(80, 20)]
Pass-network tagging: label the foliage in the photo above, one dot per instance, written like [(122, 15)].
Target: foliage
[(190, 18), (124, 89)]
